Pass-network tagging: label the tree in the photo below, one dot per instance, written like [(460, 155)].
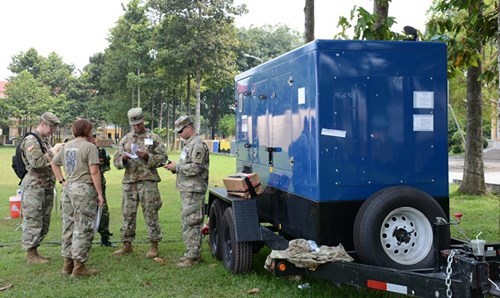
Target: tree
[(259, 44), (227, 125), (381, 12), (207, 36), (466, 40), (309, 21), (369, 26), (27, 99)]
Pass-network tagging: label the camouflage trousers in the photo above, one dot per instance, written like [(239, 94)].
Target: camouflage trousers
[(104, 223), (147, 194), (79, 208), (36, 208), (192, 222)]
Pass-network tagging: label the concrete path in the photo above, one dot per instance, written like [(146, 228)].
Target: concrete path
[(491, 159)]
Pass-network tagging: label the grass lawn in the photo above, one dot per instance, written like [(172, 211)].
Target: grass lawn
[(136, 276)]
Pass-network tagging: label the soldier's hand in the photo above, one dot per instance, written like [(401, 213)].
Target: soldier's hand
[(57, 147), (125, 157), (100, 200), (142, 154), (170, 166)]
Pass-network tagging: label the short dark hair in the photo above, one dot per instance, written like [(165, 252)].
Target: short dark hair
[(82, 128)]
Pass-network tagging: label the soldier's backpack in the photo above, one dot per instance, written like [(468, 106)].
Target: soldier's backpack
[(17, 159)]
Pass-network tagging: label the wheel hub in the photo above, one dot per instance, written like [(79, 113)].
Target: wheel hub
[(406, 235)]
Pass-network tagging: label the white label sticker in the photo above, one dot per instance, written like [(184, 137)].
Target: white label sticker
[(244, 123), (333, 132), (148, 141), (423, 100), (423, 122), (301, 93)]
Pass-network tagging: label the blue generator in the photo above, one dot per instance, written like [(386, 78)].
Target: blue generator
[(349, 139)]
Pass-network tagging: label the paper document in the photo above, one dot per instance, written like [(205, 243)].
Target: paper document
[(97, 219), (134, 148)]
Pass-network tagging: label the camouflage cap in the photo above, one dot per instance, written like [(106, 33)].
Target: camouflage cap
[(135, 116), (50, 119), (182, 122)]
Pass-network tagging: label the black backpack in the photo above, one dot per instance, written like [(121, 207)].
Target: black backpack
[(17, 159)]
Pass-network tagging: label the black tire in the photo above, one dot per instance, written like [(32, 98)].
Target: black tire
[(393, 228), (215, 228), (236, 256)]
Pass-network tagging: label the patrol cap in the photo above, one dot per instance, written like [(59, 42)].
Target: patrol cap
[(135, 116), (50, 119), (182, 122)]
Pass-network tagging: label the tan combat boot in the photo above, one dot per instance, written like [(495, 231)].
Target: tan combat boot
[(40, 256), (126, 248), (32, 257), (186, 262), (153, 250), (68, 266), (79, 270)]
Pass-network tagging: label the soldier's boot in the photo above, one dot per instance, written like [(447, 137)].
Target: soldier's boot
[(105, 242), (126, 248), (187, 262), (79, 270), (153, 250), (32, 257), (68, 266), (42, 257)]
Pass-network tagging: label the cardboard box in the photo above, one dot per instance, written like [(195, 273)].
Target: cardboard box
[(241, 185)]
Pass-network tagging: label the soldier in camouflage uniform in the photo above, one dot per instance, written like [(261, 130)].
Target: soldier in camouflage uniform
[(192, 182), (82, 194), (38, 187), (140, 152), (104, 166)]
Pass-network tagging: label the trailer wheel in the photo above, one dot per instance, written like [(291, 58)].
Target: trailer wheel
[(393, 228), (215, 228), (236, 255)]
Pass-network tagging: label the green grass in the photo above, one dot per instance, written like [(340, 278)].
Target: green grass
[(135, 276)]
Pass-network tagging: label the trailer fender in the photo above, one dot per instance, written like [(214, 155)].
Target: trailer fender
[(246, 220)]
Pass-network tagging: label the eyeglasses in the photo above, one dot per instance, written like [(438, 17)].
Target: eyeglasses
[(180, 131)]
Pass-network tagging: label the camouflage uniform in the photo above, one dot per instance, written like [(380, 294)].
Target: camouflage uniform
[(140, 183), (104, 166), (79, 198), (192, 182), (78, 215), (37, 191)]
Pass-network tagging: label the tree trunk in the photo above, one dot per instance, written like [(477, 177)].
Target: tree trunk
[(309, 21), (198, 99), (381, 11), (174, 106), (188, 94), (496, 109), (473, 179)]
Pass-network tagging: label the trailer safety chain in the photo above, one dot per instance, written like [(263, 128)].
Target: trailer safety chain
[(447, 281)]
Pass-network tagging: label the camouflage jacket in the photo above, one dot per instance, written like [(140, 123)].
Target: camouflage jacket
[(37, 163), (104, 163), (192, 168), (140, 170)]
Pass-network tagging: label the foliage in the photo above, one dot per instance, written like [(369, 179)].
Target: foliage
[(467, 26), (260, 44), (367, 26), (27, 99), (227, 125)]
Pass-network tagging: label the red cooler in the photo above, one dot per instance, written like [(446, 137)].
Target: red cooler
[(15, 206)]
